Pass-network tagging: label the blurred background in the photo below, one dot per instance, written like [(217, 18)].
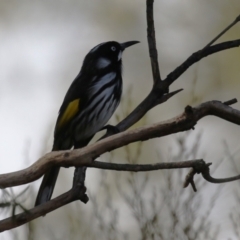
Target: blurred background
[(42, 45)]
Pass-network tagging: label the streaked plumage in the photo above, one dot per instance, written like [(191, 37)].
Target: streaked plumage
[(88, 105)]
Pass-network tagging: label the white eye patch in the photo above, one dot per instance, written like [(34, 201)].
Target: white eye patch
[(119, 55), (102, 63)]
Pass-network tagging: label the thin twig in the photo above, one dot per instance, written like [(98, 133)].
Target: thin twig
[(152, 42), (156, 94), (190, 180), (230, 102), (144, 167), (206, 175), (203, 168), (223, 32), (197, 56)]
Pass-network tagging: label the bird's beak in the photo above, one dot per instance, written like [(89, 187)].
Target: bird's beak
[(128, 44)]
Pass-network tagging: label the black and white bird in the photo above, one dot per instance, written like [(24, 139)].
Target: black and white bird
[(89, 103)]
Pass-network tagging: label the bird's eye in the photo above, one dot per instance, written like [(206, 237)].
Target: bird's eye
[(113, 48)]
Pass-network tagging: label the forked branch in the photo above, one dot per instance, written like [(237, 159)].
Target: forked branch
[(85, 156), (159, 94)]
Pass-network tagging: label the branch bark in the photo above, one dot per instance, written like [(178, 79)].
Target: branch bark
[(153, 54), (74, 194), (85, 156), (197, 166), (159, 94)]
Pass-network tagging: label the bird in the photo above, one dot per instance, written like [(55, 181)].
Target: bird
[(89, 103)]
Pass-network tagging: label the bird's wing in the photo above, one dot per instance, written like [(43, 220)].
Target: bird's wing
[(67, 114), (71, 104)]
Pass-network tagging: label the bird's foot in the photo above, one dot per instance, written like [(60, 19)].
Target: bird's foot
[(111, 129)]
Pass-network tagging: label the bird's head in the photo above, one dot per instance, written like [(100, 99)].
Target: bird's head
[(107, 53)]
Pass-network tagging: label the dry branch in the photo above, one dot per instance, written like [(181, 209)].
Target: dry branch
[(160, 90), (197, 166), (153, 54), (159, 94), (86, 155), (74, 194)]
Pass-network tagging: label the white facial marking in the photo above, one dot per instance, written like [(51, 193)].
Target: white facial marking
[(102, 63), (119, 55)]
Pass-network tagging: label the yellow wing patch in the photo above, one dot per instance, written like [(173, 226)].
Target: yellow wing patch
[(69, 113)]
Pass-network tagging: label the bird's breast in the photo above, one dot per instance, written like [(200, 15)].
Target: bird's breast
[(103, 98)]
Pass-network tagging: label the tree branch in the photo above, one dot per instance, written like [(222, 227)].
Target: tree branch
[(86, 155), (197, 166), (145, 167), (206, 175), (159, 94), (41, 210), (73, 194), (156, 94), (237, 19), (152, 42), (197, 56)]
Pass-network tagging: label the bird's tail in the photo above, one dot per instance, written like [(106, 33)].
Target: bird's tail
[(47, 186), (80, 172), (49, 180)]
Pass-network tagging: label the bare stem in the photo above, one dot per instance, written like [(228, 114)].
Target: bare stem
[(223, 32), (152, 42)]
